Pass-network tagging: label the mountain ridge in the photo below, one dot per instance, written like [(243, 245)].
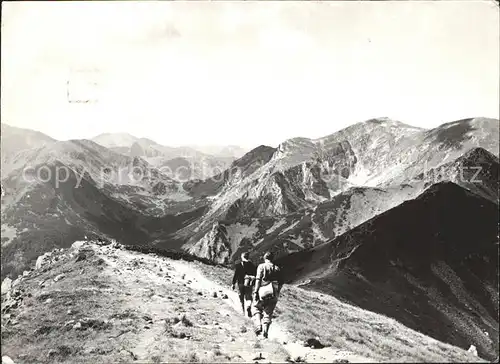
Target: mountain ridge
[(377, 263), (299, 174)]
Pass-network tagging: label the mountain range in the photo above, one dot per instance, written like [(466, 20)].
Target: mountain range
[(393, 218), (191, 162)]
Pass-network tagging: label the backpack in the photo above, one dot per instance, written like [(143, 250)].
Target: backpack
[(249, 281), (269, 289)]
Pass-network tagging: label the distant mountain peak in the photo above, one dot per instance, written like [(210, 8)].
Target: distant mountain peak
[(110, 140), (387, 121)]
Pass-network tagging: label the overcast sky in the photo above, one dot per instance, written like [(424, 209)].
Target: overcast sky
[(245, 73)]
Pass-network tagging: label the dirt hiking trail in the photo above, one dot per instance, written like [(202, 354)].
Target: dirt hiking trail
[(276, 332), (101, 302)]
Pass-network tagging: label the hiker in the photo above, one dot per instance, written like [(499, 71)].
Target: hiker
[(244, 277), (268, 284)]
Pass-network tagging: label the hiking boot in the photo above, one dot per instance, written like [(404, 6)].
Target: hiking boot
[(258, 330), (249, 312), (266, 330)]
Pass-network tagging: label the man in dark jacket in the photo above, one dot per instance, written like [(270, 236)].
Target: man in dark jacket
[(244, 277)]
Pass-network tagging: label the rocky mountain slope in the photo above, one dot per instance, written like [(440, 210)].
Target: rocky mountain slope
[(64, 191), (15, 140), (180, 163), (431, 263), (131, 180), (303, 174), (288, 198), (477, 170), (101, 302), (432, 148), (44, 215), (296, 231), (366, 212)]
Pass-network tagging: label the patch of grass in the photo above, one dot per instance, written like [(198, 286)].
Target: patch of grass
[(127, 314), (156, 359), (307, 314), (46, 329), (186, 322), (189, 358), (65, 351)]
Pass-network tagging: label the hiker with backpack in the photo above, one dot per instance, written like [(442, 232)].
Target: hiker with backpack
[(244, 277), (268, 284)]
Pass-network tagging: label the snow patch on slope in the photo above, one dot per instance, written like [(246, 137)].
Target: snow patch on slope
[(277, 225), (8, 234)]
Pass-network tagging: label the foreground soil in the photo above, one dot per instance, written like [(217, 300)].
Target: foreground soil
[(100, 303)]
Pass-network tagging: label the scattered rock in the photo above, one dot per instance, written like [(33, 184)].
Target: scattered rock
[(69, 323), (16, 282), (341, 361), (49, 300), (214, 294), (473, 350), (128, 353), (42, 260), (224, 296), (92, 324), (314, 344), (45, 329), (100, 351), (70, 312), (59, 277), (12, 301), (200, 293), (26, 273), (81, 256), (7, 360), (6, 285)]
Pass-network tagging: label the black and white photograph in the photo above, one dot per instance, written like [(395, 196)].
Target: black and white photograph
[(217, 181)]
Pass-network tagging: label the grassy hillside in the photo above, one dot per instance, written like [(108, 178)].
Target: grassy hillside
[(102, 303)]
